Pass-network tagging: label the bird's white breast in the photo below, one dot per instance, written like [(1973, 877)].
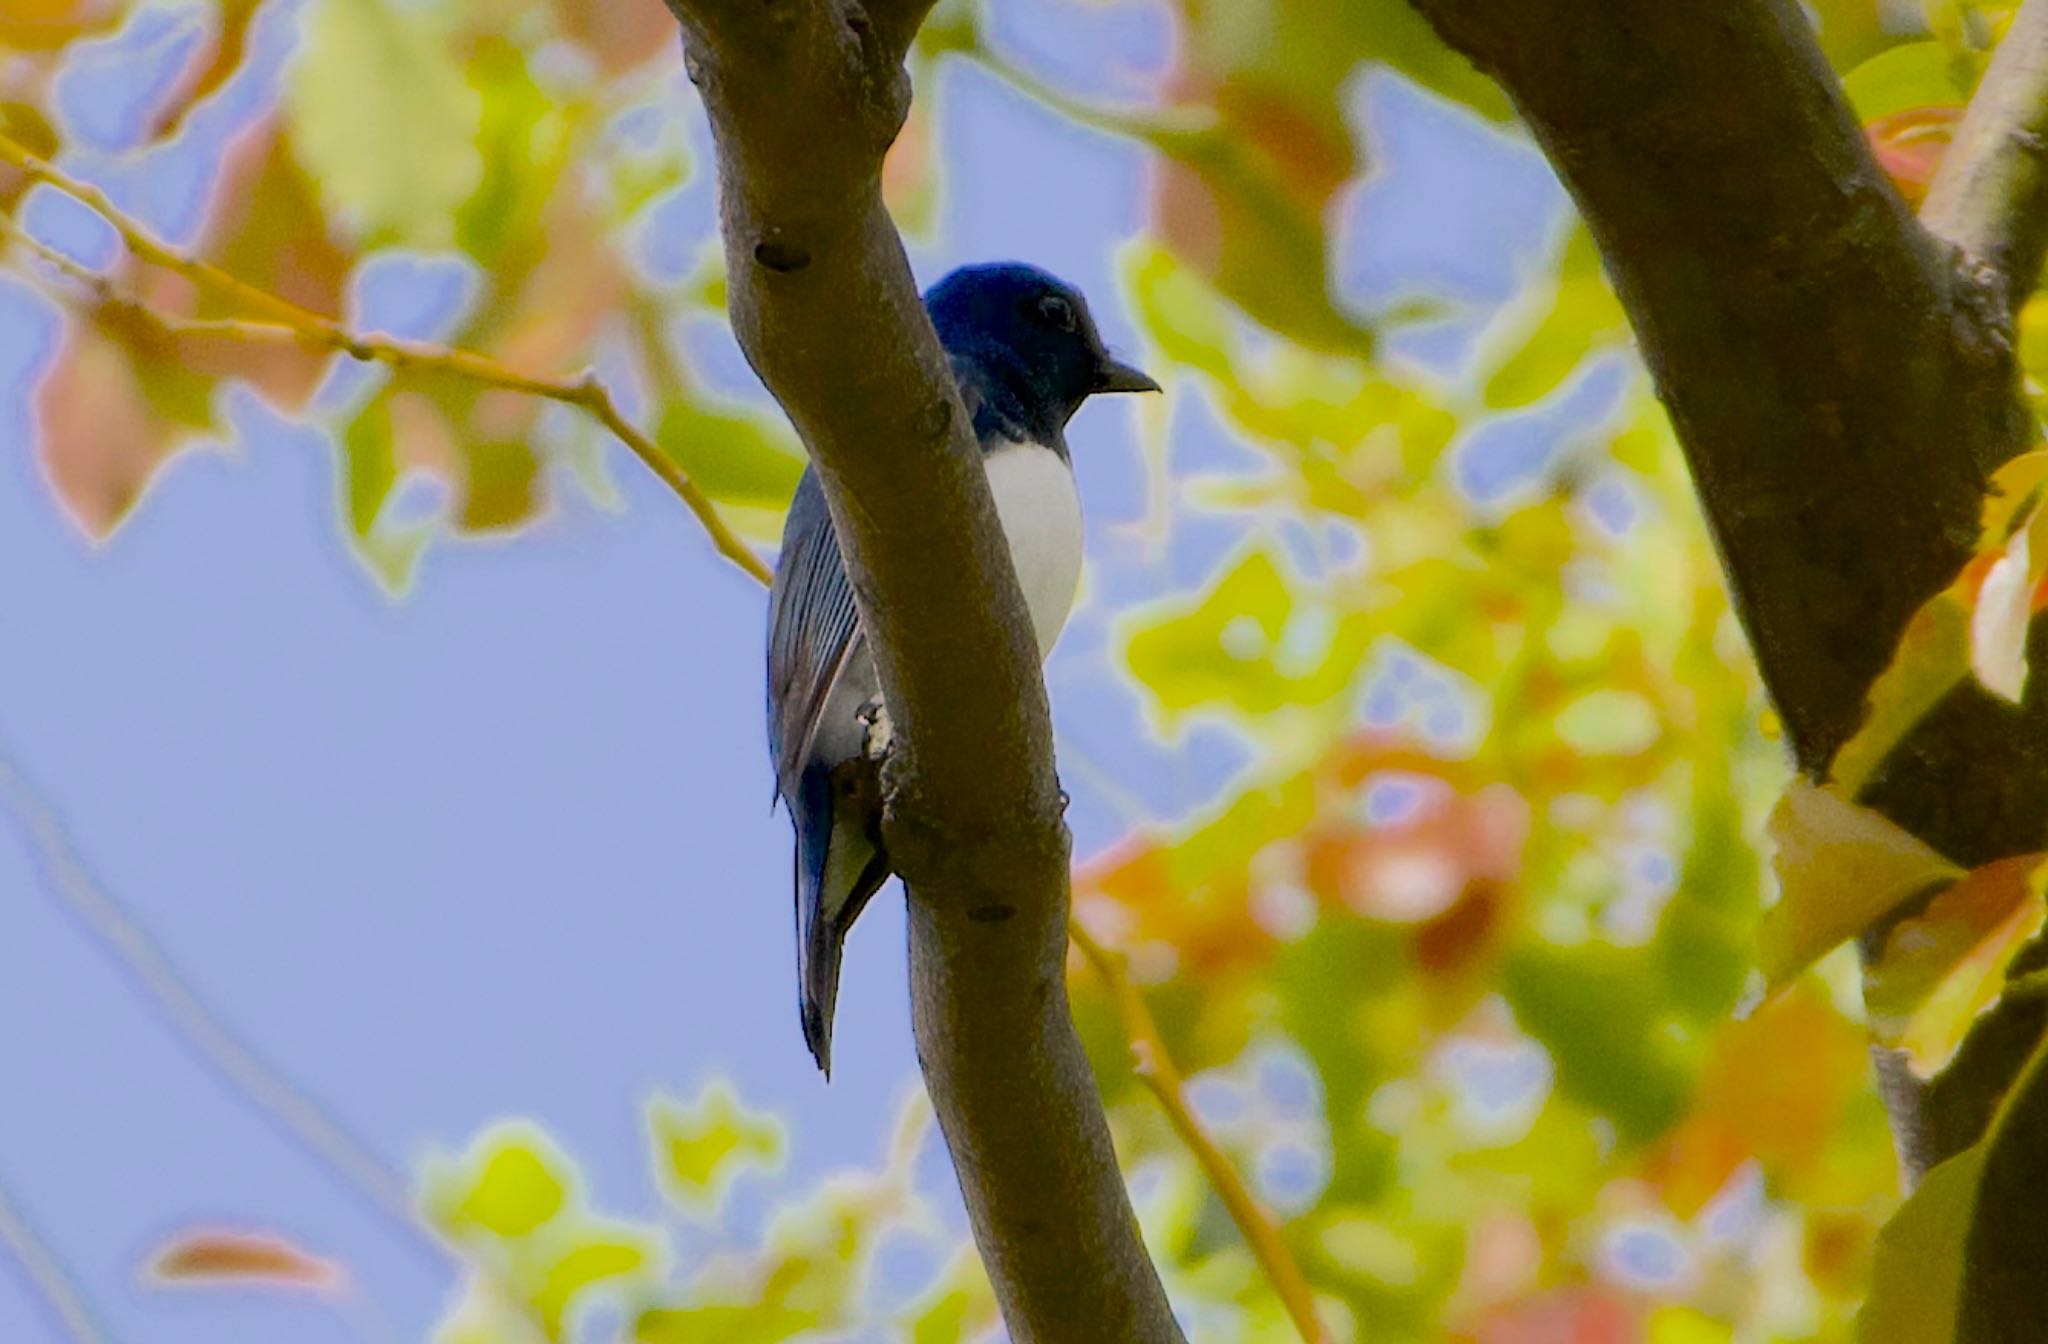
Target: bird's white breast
[(1040, 509)]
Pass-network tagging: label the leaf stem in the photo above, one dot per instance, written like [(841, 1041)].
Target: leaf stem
[(1155, 1069)]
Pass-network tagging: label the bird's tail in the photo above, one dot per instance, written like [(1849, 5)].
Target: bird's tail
[(839, 866)]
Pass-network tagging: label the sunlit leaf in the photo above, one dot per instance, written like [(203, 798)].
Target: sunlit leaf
[(758, 1324), (1945, 966), (1911, 75), (1999, 619), (511, 1183), (733, 457), (702, 1146), (1840, 868), (1932, 658), (396, 165), (598, 1254), (49, 24), (1580, 317)]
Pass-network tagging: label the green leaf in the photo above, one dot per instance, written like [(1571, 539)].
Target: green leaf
[(597, 1253), (1944, 967), (383, 120), (1609, 723), (1840, 868), (734, 457), (1220, 650), (758, 1323), (1598, 1010), (1918, 1271), (500, 479), (1915, 75), (701, 1147), (370, 464), (1963, 1260), (511, 1183), (1581, 317)]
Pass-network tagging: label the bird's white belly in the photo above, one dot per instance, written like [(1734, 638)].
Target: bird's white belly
[(1040, 509)]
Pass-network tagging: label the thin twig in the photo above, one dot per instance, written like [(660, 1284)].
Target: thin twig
[(152, 972), (45, 1276), (1989, 197), (287, 322), (1155, 1069)]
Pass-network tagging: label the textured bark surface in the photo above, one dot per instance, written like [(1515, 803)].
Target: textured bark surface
[(805, 97), (1842, 378)]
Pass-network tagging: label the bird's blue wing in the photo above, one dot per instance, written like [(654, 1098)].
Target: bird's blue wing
[(812, 626)]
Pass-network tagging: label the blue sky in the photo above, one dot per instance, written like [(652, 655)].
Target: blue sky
[(503, 847)]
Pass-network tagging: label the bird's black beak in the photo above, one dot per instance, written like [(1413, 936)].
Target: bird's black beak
[(1115, 376)]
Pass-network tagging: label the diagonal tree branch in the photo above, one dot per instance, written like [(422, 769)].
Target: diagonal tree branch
[(805, 99), (1990, 196), (45, 1276)]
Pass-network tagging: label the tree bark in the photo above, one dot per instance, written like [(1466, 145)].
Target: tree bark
[(805, 97), (1841, 378)]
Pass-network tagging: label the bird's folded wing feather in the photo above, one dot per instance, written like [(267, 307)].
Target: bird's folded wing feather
[(813, 628)]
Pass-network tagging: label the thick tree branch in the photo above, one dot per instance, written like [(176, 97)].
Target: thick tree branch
[(1840, 383), (805, 97), (1990, 196)]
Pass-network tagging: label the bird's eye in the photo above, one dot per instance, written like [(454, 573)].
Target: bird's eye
[(1057, 312)]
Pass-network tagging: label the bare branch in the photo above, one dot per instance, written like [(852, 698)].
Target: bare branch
[(1990, 195), (131, 947), (46, 1277)]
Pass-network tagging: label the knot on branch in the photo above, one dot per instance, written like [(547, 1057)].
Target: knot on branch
[(996, 869)]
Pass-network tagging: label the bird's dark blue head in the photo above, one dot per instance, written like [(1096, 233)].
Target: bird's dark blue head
[(1029, 334)]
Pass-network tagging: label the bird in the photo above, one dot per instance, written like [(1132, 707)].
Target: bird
[(1025, 354)]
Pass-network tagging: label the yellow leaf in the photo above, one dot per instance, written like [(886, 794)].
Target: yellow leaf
[(383, 120), (701, 1147), (511, 1183), (1840, 867)]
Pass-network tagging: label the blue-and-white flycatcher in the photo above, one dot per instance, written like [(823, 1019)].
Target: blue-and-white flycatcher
[(1026, 354)]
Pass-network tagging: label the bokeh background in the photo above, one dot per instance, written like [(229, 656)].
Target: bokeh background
[(381, 759)]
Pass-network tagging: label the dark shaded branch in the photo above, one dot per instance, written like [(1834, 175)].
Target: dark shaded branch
[(1990, 195), (805, 97), (1840, 384)]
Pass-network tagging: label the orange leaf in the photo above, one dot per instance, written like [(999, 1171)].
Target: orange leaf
[(213, 1259), (1909, 146), (1942, 968)]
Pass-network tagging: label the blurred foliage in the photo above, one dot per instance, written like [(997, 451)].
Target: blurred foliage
[(543, 1263), (1453, 964)]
